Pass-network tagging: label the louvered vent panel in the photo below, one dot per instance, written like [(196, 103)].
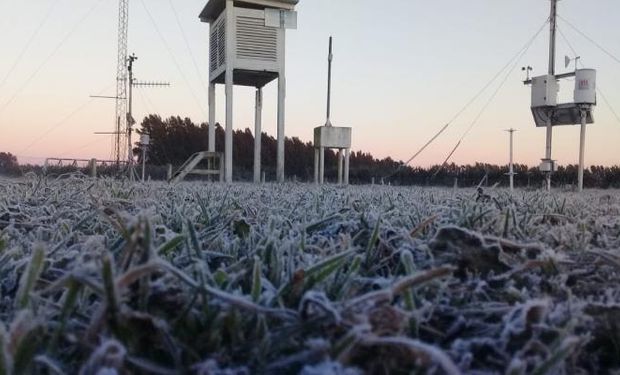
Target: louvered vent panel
[(217, 56), (255, 41), (221, 46)]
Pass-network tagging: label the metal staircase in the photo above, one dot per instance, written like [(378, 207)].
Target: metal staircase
[(213, 159)]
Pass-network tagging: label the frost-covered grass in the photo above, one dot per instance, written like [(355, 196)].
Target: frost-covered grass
[(217, 279)]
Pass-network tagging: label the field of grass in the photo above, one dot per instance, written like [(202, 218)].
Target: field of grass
[(105, 277)]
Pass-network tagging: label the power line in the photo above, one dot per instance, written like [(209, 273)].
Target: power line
[(50, 56), (29, 42), (187, 46), (146, 102), (174, 60), (591, 40), (473, 99), (608, 104), (491, 99)]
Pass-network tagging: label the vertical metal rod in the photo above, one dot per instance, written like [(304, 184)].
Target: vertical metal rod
[(548, 152), (582, 146), (130, 160), (330, 57), (258, 134), (552, 42)]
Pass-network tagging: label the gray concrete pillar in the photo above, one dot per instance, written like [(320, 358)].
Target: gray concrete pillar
[(258, 134), (321, 165), (340, 162), (281, 134), (347, 157), (316, 165)]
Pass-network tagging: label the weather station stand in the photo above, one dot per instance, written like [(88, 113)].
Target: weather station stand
[(247, 48), (331, 137), (548, 113)]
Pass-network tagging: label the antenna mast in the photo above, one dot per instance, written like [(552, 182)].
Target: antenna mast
[(330, 58), (553, 24), (129, 115), (121, 81), (552, 39)]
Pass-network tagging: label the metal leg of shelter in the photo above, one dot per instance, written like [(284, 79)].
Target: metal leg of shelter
[(347, 157), (321, 165), (340, 166), (281, 113), (228, 147), (316, 165), (258, 134), (582, 146)]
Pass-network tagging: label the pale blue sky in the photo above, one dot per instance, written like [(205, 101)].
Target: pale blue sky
[(402, 69)]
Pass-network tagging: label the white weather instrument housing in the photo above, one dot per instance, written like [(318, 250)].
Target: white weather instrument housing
[(545, 91), (247, 48), (585, 87)]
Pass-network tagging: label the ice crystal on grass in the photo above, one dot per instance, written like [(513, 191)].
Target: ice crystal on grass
[(103, 276)]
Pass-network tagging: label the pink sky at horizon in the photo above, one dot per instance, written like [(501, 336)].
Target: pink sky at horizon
[(395, 84)]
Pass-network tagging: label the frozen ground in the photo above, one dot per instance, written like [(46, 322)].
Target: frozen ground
[(215, 279)]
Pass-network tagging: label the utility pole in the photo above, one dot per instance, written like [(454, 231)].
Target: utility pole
[(129, 115), (552, 41), (130, 120), (511, 171)]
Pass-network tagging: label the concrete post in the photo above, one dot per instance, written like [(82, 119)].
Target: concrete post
[(340, 162), (93, 168), (316, 165), (321, 165), (281, 135), (169, 172), (211, 117), (230, 63), (222, 169), (228, 144), (347, 157), (258, 134)]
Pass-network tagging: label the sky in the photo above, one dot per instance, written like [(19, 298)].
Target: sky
[(402, 70)]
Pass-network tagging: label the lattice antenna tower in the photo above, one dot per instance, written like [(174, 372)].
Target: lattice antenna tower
[(121, 82)]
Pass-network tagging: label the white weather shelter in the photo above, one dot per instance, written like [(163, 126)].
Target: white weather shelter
[(247, 48)]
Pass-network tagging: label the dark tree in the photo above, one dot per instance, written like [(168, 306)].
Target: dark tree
[(8, 164)]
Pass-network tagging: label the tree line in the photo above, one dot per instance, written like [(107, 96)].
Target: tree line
[(173, 140)]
